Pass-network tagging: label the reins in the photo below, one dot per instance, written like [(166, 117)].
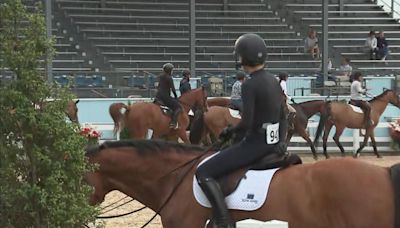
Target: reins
[(214, 146)]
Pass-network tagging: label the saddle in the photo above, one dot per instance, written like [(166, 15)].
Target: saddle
[(355, 107), (164, 109), (230, 182)]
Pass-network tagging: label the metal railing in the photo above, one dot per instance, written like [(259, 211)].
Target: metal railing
[(391, 6)]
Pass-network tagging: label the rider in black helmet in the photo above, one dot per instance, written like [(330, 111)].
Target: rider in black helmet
[(165, 86), (184, 85), (263, 120)]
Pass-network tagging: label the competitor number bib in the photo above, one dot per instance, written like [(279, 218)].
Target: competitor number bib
[(271, 133)]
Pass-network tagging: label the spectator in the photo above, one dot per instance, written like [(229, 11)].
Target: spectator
[(184, 85), (382, 44), (236, 95), (311, 44), (345, 68), (371, 45)]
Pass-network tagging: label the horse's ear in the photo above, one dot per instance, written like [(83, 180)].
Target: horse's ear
[(77, 101)]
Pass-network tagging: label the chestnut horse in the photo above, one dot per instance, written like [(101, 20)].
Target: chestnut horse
[(141, 116), (341, 115), (304, 111), (334, 193), (212, 121)]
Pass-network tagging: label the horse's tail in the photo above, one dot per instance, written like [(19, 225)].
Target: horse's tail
[(117, 116), (325, 113), (197, 127)]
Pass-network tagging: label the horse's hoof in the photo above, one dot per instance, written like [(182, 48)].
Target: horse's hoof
[(343, 155), (356, 155), (327, 156), (379, 156), (315, 157)]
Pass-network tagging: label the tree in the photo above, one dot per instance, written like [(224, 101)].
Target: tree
[(42, 158)]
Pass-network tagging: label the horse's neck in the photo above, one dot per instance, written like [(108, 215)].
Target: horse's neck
[(186, 102), (311, 108), (153, 183), (379, 105)]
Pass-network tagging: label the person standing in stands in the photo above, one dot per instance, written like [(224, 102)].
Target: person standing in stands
[(184, 85), (236, 94), (165, 86)]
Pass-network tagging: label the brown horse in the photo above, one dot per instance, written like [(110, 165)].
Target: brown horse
[(218, 101), (319, 195), (213, 121), (341, 115), (304, 111), (141, 116), (72, 111)]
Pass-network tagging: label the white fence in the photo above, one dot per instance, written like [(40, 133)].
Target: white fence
[(356, 139)]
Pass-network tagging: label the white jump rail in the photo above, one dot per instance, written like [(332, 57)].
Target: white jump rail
[(251, 223)]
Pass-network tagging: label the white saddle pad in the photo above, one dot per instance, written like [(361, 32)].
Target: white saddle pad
[(235, 113), (356, 109), (250, 195)]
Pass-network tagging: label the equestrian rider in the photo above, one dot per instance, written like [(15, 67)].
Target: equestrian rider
[(357, 99), (165, 86), (263, 120), (236, 95), (283, 77), (184, 85)]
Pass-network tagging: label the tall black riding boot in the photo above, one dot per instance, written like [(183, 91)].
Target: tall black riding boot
[(221, 216), (174, 119)]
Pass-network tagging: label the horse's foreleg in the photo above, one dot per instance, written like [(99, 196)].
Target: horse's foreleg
[(364, 143), (306, 137), (182, 134), (372, 136), (338, 133), (328, 127), (289, 136)]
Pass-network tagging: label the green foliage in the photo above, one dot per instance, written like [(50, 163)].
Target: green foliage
[(42, 157)]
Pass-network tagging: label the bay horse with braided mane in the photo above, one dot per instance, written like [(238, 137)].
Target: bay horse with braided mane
[(304, 111), (319, 195), (341, 115), (141, 116)]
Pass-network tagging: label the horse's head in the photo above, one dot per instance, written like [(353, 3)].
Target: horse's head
[(393, 97), (197, 98), (72, 111)]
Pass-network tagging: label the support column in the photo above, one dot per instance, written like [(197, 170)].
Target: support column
[(49, 63), (325, 44), (192, 28)]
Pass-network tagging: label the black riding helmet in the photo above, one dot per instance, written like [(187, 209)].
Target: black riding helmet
[(250, 49), (168, 67)]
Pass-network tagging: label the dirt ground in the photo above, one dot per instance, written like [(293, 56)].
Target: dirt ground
[(140, 218)]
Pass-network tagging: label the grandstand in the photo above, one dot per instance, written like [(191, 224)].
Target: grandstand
[(121, 43)]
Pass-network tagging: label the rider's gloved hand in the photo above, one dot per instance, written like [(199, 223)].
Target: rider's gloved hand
[(227, 133)]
